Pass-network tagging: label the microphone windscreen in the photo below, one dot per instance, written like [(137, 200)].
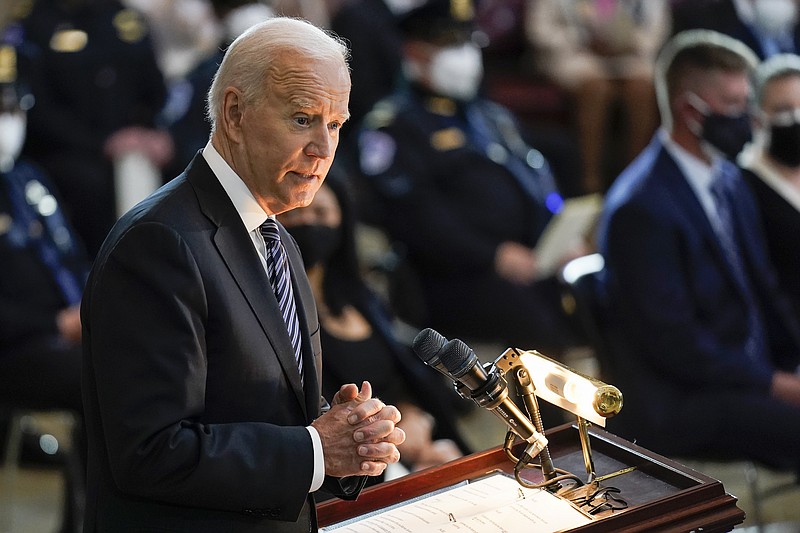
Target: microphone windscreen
[(457, 357), (427, 345)]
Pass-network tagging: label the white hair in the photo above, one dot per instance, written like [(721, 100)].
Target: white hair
[(251, 56)]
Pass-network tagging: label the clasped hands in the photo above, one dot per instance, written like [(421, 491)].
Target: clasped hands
[(359, 433)]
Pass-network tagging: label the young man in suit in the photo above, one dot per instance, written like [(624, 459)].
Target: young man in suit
[(706, 350), (201, 338)]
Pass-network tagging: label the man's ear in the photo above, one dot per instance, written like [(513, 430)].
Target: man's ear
[(232, 114)]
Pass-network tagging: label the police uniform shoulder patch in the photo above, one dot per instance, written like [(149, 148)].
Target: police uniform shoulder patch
[(381, 115), (448, 139), (377, 150)]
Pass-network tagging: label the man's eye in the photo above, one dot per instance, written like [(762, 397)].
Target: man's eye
[(303, 121), (334, 126)]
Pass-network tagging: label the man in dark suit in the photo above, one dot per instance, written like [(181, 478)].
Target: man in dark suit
[(203, 410), (706, 351)]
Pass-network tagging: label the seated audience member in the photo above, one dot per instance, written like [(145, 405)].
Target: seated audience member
[(98, 91), (706, 349), (370, 26), (183, 32), (772, 165), (357, 336), (44, 270), (768, 27), (191, 127), (602, 52), (448, 174)]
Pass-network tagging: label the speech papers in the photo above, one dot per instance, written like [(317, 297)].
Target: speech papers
[(496, 503)]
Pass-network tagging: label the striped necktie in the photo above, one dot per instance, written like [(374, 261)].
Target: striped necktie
[(281, 281)]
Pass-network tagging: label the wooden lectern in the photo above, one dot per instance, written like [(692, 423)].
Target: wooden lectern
[(662, 495)]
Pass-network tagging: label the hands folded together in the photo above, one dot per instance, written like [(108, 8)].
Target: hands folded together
[(359, 434)]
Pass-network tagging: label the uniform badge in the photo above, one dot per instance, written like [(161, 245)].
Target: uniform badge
[(439, 105), (68, 40), (448, 139), (377, 150)]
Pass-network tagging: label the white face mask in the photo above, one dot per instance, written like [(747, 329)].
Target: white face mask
[(401, 7), (12, 137), (241, 18), (774, 17), (456, 71)]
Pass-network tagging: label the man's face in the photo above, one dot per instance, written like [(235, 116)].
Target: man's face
[(289, 138), (726, 93)]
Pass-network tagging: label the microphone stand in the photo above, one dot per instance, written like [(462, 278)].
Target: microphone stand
[(523, 379)]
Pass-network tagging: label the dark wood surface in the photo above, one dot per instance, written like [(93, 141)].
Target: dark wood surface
[(662, 495)]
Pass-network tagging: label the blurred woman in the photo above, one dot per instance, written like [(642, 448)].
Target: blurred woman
[(772, 165)]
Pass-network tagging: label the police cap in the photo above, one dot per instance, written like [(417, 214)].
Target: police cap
[(440, 22)]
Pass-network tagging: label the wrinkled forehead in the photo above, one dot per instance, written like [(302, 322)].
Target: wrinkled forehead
[(310, 81)]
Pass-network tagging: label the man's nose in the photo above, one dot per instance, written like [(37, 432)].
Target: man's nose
[(323, 144)]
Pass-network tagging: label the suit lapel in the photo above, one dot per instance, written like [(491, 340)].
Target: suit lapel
[(237, 251), (688, 203)]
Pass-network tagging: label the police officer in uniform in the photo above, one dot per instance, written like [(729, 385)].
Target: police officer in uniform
[(44, 270), (191, 127), (99, 91), (449, 175)]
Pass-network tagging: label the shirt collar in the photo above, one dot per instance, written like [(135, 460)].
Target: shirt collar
[(251, 213), (697, 172)]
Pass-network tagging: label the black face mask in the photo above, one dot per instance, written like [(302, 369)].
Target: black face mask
[(784, 144), (317, 243), (728, 134)]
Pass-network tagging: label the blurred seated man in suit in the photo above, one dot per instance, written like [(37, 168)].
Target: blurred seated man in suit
[(449, 175), (706, 350), (772, 165), (44, 269)]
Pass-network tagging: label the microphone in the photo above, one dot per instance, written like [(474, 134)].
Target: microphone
[(458, 362)]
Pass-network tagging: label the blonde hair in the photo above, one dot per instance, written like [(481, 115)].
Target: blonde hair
[(776, 67)]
